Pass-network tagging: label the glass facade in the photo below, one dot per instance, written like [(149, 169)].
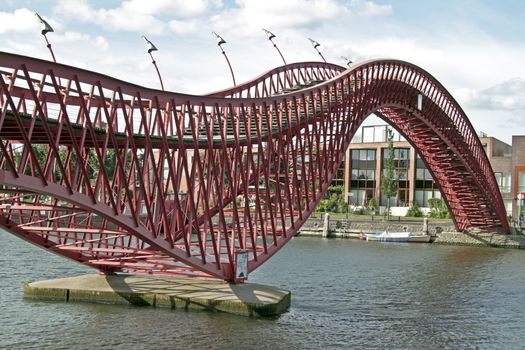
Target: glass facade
[(521, 182), (374, 133), (363, 172), (401, 165), (503, 180), (339, 178), (425, 187)]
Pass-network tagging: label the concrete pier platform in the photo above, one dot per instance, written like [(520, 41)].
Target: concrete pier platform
[(247, 299)]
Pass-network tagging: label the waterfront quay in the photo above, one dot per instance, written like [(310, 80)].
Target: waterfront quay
[(442, 231)]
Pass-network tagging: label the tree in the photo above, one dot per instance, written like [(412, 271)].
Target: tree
[(389, 181), (372, 205)]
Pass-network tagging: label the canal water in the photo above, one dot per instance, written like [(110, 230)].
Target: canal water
[(345, 294)]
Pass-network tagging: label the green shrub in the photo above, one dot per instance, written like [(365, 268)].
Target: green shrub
[(333, 200), (438, 208), (372, 204), (415, 211)]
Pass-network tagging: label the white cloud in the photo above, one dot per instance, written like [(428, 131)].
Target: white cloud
[(507, 95), (370, 8), (251, 15), (20, 21), (183, 26), (124, 18), (178, 8), (101, 43), (138, 15), (70, 37)]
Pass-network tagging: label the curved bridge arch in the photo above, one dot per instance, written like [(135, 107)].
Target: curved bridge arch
[(129, 179)]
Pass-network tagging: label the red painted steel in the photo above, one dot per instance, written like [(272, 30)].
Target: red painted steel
[(124, 178)]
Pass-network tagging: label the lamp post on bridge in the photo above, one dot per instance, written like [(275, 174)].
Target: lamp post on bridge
[(347, 60), (44, 29), (221, 41), (315, 44), (270, 37), (150, 47)]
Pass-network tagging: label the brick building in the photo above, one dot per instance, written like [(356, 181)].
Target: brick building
[(360, 173)]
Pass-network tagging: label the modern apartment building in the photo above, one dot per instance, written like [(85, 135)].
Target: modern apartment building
[(361, 171)]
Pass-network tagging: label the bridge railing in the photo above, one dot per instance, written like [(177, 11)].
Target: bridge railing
[(284, 79), (192, 180)]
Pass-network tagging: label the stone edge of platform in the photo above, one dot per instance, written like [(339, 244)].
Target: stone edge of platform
[(243, 308)]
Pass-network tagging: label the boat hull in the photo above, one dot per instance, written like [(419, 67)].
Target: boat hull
[(406, 237)]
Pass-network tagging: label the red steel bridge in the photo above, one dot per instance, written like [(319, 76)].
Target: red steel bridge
[(128, 179)]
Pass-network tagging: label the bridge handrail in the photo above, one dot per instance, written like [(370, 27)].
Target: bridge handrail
[(430, 86), (320, 114), (291, 76)]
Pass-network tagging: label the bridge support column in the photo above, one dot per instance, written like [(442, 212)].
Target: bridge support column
[(247, 299)]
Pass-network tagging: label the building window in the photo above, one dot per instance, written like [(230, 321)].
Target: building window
[(485, 148), (363, 173), (339, 178), (508, 206), (401, 165), (521, 182), (375, 133), (503, 181), (425, 187)]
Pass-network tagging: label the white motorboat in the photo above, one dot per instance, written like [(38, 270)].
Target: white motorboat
[(386, 236)]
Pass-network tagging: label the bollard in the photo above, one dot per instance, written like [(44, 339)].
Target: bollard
[(326, 225), (425, 226)]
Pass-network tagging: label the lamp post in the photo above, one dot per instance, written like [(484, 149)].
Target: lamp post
[(221, 41), (44, 29), (270, 37), (347, 60), (315, 44), (150, 47), (348, 205), (520, 199)]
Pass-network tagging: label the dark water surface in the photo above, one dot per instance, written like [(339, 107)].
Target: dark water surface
[(345, 294)]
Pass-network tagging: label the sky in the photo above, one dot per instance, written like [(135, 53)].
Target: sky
[(475, 48)]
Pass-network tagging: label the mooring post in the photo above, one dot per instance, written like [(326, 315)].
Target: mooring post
[(326, 225), (425, 226)]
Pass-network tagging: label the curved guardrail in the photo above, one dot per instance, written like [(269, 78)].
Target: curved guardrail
[(129, 179)]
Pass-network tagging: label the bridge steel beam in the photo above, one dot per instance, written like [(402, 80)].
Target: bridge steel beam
[(128, 179)]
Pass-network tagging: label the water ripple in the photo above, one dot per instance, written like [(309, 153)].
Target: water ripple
[(345, 294)]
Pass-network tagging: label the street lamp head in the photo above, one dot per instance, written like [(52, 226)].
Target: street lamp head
[(44, 26), (347, 60), (270, 34), (315, 44), (220, 40), (149, 45)]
